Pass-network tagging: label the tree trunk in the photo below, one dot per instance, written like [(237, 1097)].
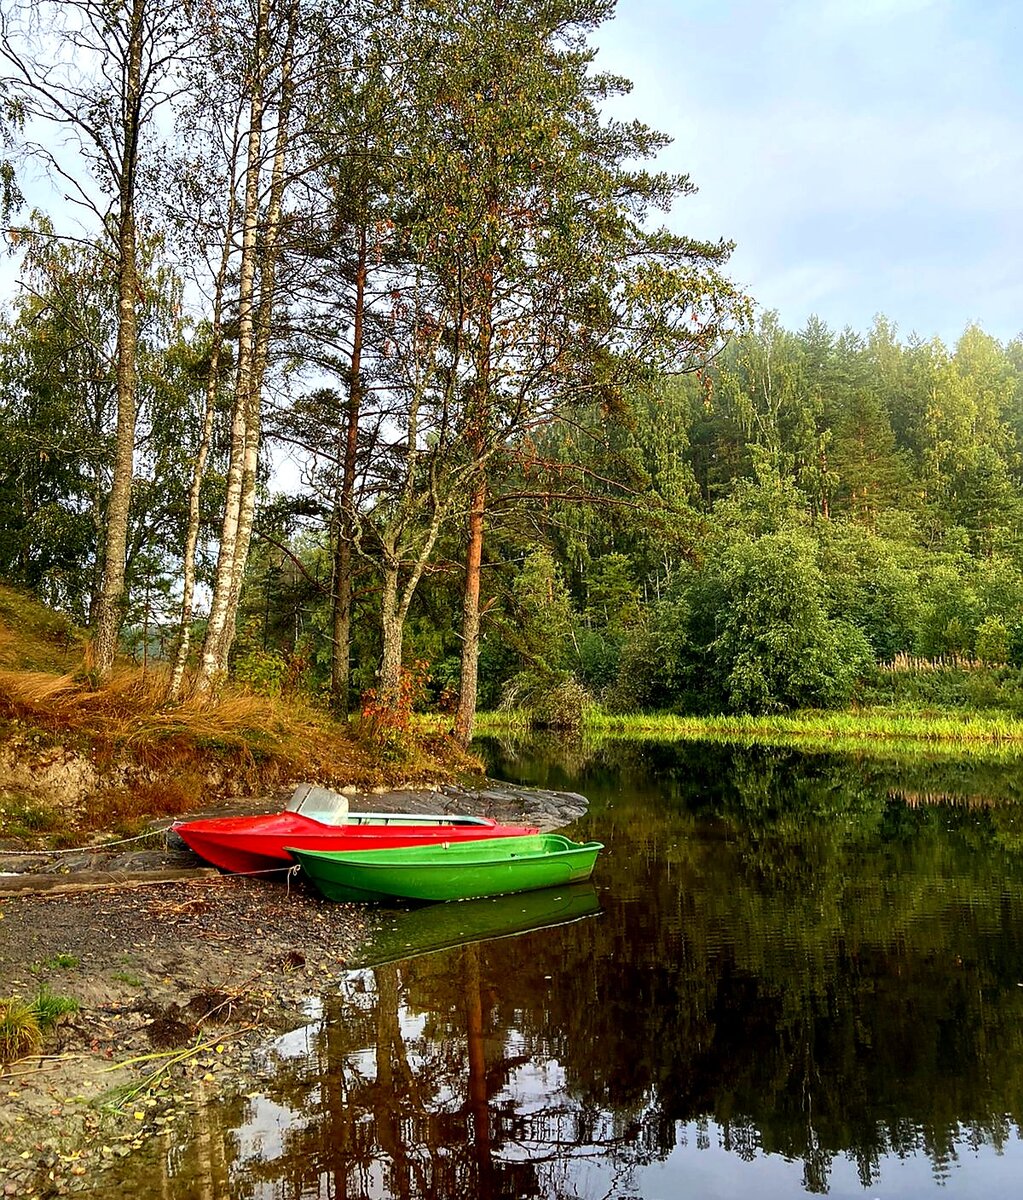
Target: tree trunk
[(392, 628), (395, 604), (109, 610), (214, 658), (268, 260), (340, 665), (465, 714), (199, 469), (466, 711)]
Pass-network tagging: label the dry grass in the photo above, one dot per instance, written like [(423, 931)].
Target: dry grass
[(33, 638), (259, 741), (20, 1033), (163, 758)]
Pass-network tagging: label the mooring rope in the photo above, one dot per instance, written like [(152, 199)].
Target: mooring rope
[(81, 849)]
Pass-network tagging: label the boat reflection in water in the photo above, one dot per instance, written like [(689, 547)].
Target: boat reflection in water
[(442, 926)]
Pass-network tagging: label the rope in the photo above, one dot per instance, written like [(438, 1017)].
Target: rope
[(80, 849)]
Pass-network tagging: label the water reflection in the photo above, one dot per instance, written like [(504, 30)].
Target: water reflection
[(804, 977), (403, 934)]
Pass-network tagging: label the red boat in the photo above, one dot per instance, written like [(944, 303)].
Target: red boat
[(250, 844)]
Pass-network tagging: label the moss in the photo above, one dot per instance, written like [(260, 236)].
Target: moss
[(21, 815)]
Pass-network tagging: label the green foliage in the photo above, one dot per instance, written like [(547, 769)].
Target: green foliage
[(944, 686), (873, 583), (992, 640), (776, 645), (548, 703), (673, 522), (661, 665), (264, 671), (539, 626)]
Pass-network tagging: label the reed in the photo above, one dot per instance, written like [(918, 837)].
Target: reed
[(879, 731)]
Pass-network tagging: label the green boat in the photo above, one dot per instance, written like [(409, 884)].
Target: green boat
[(451, 870), (433, 928)]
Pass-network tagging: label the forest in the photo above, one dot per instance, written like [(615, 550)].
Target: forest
[(352, 354)]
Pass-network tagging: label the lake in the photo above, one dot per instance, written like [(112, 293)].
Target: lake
[(792, 974)]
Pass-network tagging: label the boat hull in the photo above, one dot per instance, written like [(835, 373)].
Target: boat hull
[(247, 845), (450, 870)]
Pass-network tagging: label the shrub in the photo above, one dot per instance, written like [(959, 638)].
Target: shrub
[(388, 726), (20, 1033), (560, 707), (264, 671), (993, 641), (776, 646)]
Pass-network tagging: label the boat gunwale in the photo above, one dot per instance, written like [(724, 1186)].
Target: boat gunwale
[(363, 859)]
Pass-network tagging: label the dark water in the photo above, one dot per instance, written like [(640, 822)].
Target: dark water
[(793, 974)]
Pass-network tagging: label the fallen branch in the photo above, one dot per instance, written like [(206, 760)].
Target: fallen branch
[(95, 881)]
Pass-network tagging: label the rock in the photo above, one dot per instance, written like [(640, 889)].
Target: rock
[(12, 864)]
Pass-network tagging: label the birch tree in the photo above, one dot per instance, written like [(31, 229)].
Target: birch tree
[(268, 146), (87, 78)]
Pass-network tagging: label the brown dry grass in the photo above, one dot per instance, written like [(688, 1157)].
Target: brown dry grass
[(176, 755), (260, 742)]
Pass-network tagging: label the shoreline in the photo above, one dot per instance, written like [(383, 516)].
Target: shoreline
[(180, 982), (880, 730)]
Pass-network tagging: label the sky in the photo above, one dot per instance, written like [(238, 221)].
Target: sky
[(866, 156)]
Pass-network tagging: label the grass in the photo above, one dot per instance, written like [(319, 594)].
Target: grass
[(33, 637), (20, 1032), (22, 816), (23, 1024), (259, 737), (986, 734), (63, 962), (50, 1007), (128, 977), (155, 758)]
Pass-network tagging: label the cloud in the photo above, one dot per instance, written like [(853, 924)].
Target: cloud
[(865, 155)]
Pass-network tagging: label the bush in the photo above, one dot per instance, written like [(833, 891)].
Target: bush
[(388, 727), (20, 1032), (993, 641), (263, 671), (776, 647), (561, 707)]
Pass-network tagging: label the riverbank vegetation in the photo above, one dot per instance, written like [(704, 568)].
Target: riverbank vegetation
[(78, 755), (882, 732)]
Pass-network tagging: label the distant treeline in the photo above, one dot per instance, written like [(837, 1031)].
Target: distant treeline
[(814, 504), (759, 536)]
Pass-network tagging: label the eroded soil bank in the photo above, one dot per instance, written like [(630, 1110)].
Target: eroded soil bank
[(179, 985)]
